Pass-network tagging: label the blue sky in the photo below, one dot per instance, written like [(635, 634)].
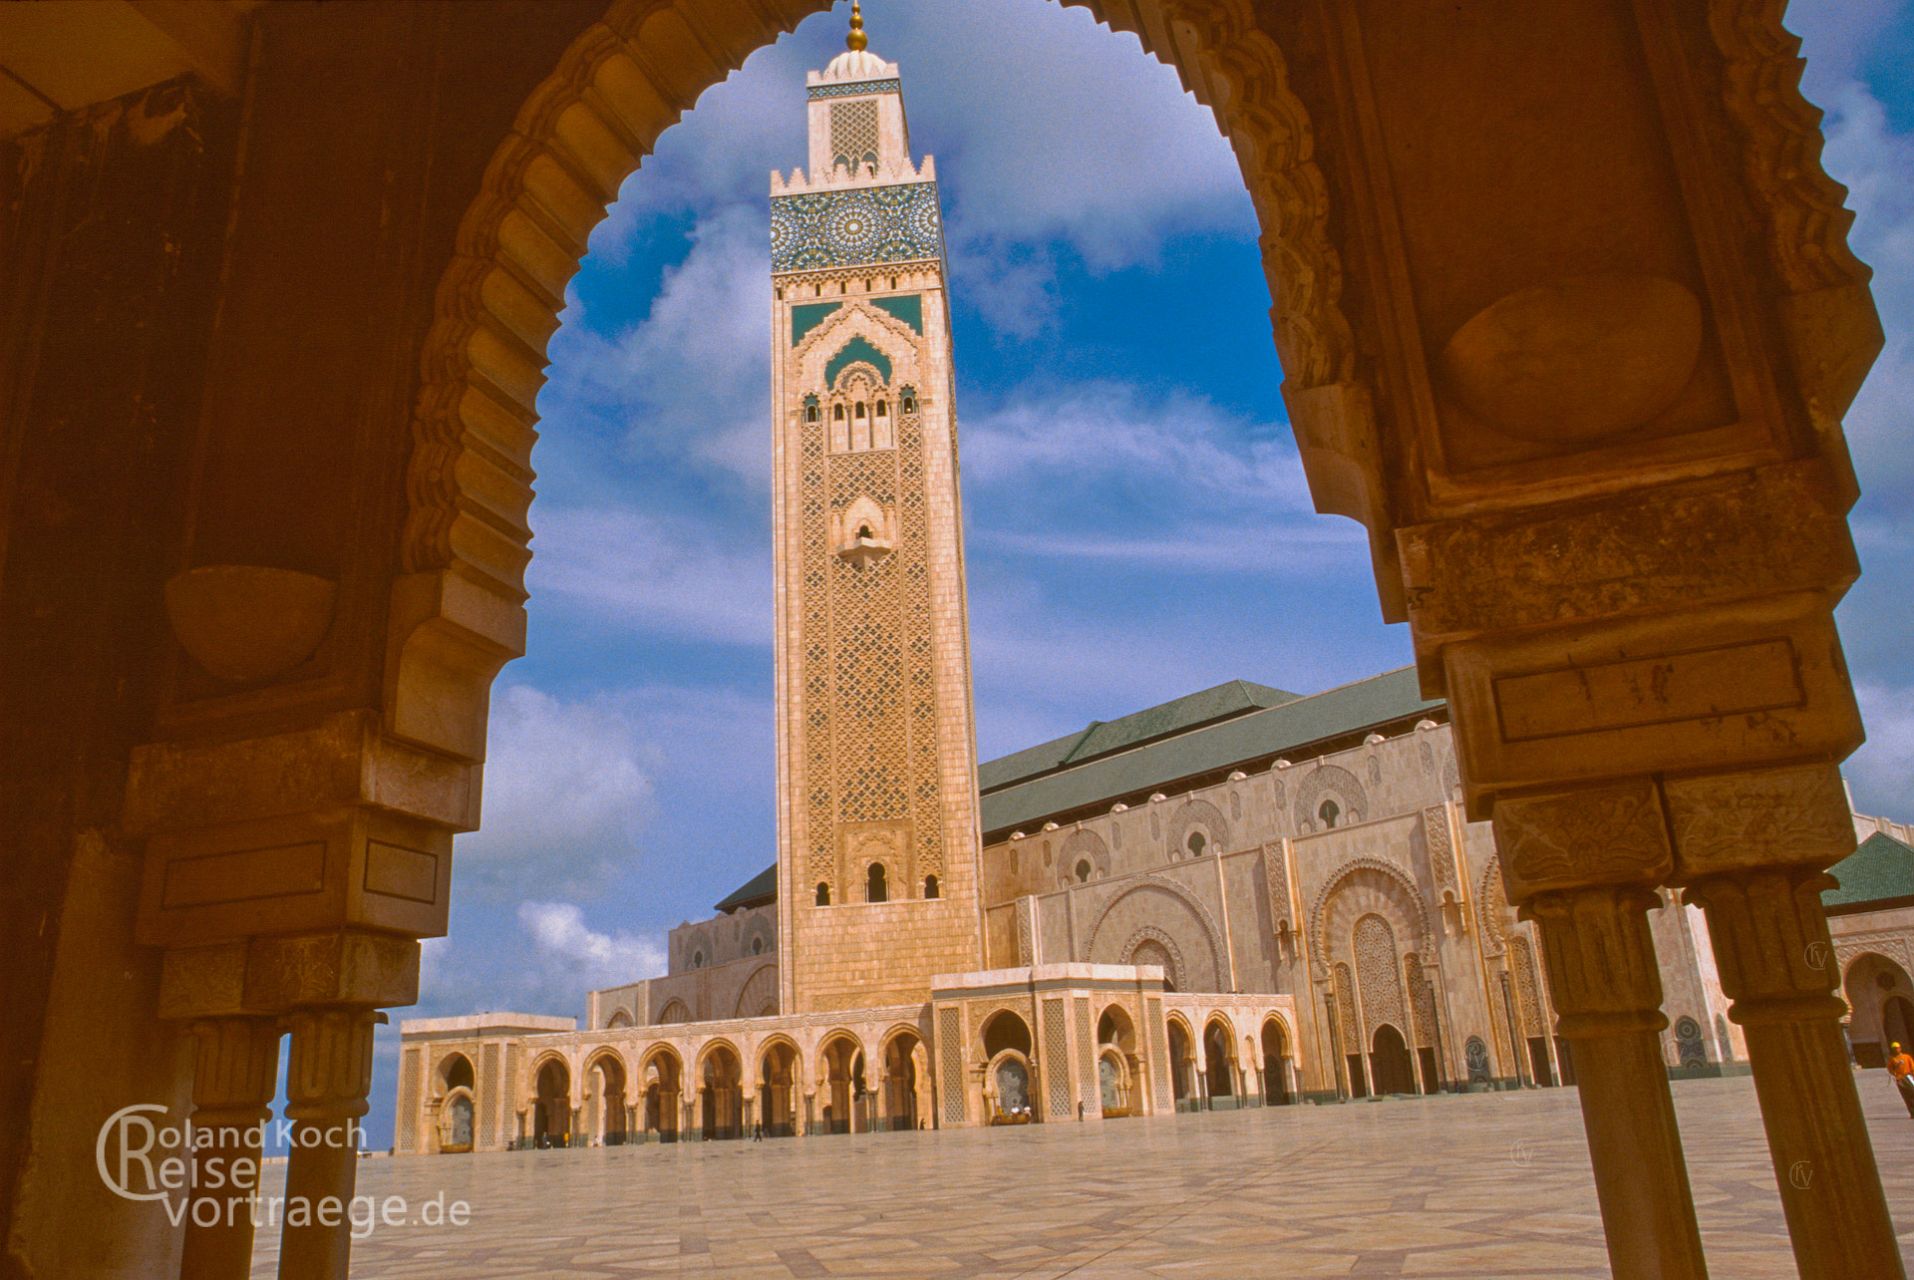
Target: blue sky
[(1138, 526)]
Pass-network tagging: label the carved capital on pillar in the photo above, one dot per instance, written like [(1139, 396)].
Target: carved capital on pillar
[(1600, 958), (330, 1066), (1759, 817), (1771, 942), (235, 1066), (1586, 836)]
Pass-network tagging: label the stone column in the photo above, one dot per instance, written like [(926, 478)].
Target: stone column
[(1752, 849), (1582, 864), (327, 1076), (236, 1065)]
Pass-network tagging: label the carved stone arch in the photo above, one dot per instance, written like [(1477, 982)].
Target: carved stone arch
[(604, 1051), (666, 1060), (1194, 814), (1134, 906), (1329, 782), (458, 613), (1363, 885), (1081, 844), (1492, 906), (759, 989), (674, 1013), (1150, 934), (892, 338)]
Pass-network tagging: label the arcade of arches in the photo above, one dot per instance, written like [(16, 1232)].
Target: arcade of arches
[(1584, 393)]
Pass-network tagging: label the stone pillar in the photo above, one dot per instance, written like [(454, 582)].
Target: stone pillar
[(236, 1065), (327, 1076), (1752, 849), (1581, 864), (1607, 988)]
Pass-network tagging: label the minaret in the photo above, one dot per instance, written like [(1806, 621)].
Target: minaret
[(878, 857)]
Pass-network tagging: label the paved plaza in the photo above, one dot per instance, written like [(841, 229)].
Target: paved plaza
[(1473, 1186)]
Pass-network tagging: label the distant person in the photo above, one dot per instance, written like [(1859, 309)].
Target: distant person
[(1901, 1067)]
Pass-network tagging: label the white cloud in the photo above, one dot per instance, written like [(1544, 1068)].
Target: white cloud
[(1096, 431), (692, 379), (564, 796), (583, 956), (1048, 126), (1837, 35), (1882, 772), (657, 574)]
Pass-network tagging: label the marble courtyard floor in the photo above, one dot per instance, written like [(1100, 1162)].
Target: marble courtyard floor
[(1473, 1186)]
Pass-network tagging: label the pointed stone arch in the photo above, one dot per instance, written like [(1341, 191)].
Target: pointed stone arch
[(1161, 904), (457, 612)]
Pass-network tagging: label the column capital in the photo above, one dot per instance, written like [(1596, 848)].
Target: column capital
[(1771, 942), (1600, 958)]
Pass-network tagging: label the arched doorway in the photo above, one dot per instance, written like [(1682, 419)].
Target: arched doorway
[(1389, 1067), (1275, 1064), (605, 1099), (1880, 997), (900, 1081), (721, 1094), (1219, 1064), (663, 1075), (1182, 1064), (457, 1133), (1008, 1095), (842, 1096), (777, 1090), (1117, 1063), (552, 1107), (458, 1107)]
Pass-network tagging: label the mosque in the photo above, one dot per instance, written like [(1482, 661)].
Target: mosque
[(1243, 897)]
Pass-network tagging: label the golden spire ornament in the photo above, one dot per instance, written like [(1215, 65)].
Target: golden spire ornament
[(856, 41)]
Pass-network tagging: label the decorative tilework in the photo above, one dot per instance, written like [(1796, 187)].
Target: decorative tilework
[(950, 1064), (488, 1098), (1056, 1063), (854, 133), (1087, 1087), (1159, 1054), (410, 1070), (855, 89), (859, 227), (1376, 974)]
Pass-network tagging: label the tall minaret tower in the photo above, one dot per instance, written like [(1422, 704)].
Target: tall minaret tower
[(878, 857)]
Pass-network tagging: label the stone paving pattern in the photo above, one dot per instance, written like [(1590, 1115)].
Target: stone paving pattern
[(1473, 1186)]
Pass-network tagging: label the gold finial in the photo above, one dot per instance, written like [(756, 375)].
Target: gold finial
[(856, 41)]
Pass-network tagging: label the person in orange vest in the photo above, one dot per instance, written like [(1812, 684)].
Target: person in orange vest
[(1901, 1067)]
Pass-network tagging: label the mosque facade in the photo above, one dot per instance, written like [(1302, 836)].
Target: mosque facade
[(1243, 897)]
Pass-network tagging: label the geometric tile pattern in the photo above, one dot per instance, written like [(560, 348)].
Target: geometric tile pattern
[(861, 226), (1481, 1185)]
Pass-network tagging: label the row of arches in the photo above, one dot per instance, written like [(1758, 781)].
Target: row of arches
[(712, 1099), (1219, 1078), (877, 886)]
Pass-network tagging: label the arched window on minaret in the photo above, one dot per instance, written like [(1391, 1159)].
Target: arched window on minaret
[(875, 887), (823, 894), (930, 886), (810, 408)]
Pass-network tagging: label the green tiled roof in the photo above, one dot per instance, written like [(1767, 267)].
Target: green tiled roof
[(1286, 726), (1881, 870), (760, 890), (1101, 737)]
